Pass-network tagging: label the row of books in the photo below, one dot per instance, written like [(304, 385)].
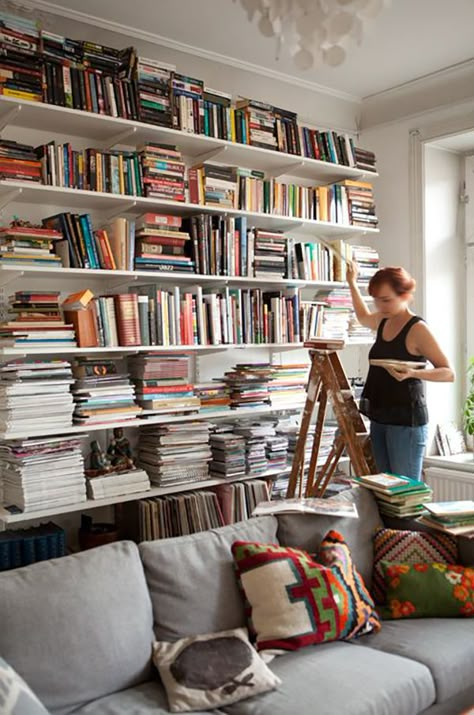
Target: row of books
[(158, 171), (40, 65), (27, 546), (191, 512), (203, 244)]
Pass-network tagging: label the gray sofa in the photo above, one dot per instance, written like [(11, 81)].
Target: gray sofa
[(79, 629)]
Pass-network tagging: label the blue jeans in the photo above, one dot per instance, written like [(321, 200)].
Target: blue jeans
[(399, 449)]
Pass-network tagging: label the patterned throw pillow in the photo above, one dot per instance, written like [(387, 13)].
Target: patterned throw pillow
[(409, 547), (428, 590), (210, 671), (358, 614), (292, 601), (16, 698)]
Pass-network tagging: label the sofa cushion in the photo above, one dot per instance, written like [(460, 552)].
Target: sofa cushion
[(79, 627), (208, 671), (445, 646), (16, 698), (306, 531), (145, 699), (192, 579), (343, 679)]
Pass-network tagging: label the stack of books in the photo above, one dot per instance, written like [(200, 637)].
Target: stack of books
[(270, 254), (365, 159), (217, 114), (397, 495), (249, 384), (101, 393), (18, 162), (213, 185), (42, 473), (188, 108), (37, 322), (327, 146), (35, 395), (368, 262), (86, 248), (117, 484), (312, 312), (178, 515), (27, 546), (161, 245), (175, 454), (29, 245), (213, 396), (20, 60), (162, 384), (360, 196), (153, 80), (261, 123), (288, 385), (221, 245), (228, 453), (162, 171), (336, 312), (452, 517), (276, 450), (255, 435)]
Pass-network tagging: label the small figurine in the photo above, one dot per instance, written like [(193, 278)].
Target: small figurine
[(98, 461), (119, 451)]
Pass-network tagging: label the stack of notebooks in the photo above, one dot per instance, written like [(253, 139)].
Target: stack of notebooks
[(153, 80), (27, 546), (29, 245), (117, 484), (35, 395), (287, 385), (397, 495), (102, 394), (178, 515), (37, 322), (213, 396), (162, 384), (249, 385), (228, 453), (18, 162), (20, 61), (162, 171), (452, 517), (175, 454), (161, 245), (42, 473)]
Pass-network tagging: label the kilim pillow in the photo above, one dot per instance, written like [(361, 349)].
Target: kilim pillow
[(292, 601), (409, 547), (210, 671), (428, 590), (358, 613)]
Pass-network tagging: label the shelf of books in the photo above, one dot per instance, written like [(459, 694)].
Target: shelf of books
[(193, 226)]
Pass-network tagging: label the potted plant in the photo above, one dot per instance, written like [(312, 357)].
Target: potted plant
[(469, 403)]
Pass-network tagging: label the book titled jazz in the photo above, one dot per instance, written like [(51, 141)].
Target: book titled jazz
[(128, 321)]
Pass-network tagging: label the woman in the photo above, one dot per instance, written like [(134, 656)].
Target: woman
[(394, 398)]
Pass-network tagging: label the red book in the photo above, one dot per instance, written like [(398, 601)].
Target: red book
[(160, 220), (169, 388), (128, 322)]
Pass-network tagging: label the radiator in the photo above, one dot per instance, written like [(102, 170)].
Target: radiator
[(450, 484)]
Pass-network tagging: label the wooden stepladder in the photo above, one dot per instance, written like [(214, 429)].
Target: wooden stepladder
[(328, 381)]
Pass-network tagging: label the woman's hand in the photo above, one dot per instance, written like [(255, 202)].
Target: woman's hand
[(401, 373), (352, 272)]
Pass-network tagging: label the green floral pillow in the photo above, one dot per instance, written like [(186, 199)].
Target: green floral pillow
[(428, 590)]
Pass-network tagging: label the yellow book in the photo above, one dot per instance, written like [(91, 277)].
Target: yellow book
[(121, 174), (18, 94), (79, 300), (232, 124)]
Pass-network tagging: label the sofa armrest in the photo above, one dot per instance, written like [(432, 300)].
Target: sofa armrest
[(465, 545)]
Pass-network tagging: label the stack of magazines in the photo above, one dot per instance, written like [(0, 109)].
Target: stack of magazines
[(452, 517), (397, 495)]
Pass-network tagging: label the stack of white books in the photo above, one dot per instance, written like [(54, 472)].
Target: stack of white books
[(42, 473), (118, 484), (35, 395)]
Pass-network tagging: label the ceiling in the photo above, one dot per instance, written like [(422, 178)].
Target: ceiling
[(409, 39)]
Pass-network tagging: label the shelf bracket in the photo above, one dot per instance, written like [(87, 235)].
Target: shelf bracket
[(208, 155), (6, 278), (9, 116), (284, 170), (118, 138), (8, 197), (126, 207), (123, 283)]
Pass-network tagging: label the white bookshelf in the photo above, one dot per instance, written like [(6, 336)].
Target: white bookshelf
[(106, 132)]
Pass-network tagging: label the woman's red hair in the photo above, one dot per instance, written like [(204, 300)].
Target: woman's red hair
[(397, 278)]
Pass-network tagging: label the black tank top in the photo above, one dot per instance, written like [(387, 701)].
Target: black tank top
[(385, 399)]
